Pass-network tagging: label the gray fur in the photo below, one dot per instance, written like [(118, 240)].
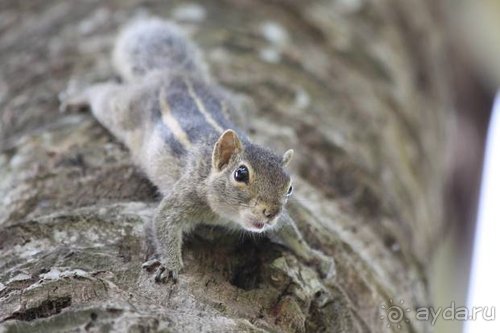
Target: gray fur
[(147, 45), (171, 118)]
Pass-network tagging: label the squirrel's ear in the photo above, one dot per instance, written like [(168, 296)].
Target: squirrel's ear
[(287, 157), (226, 146)]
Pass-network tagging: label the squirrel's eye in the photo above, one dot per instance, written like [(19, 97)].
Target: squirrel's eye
[(290, 190), (241, 174)]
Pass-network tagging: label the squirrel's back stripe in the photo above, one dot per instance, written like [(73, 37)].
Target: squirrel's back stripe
[(201, 107), (171, 122), (191, 113), (186, 111), (224, 110), (213, 101)]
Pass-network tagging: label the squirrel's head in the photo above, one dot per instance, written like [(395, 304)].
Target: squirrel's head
[(248, 184)]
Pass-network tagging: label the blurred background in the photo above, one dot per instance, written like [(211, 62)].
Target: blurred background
[(474, 30)]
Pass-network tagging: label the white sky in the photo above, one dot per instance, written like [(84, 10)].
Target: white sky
[(484, 289)]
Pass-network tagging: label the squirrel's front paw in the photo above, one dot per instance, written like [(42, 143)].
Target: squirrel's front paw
[(325, 264), (163, 272)]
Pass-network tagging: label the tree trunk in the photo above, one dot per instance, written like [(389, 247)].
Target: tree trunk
[(357, 88)]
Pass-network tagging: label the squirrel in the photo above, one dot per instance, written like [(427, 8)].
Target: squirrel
[(179, 127)]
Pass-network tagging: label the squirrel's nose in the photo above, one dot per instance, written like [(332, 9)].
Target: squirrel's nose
[(271, 212)]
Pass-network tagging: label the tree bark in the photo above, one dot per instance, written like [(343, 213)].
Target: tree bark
[(358, 88)]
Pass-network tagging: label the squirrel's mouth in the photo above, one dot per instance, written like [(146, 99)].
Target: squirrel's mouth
[(258, 225), (254, 225)]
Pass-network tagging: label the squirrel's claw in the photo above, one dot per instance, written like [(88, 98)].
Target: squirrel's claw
[(160, 277), (150, 265), (174, 275), (163, 274)]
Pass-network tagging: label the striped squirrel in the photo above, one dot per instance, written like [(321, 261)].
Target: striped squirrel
[(177, 124)]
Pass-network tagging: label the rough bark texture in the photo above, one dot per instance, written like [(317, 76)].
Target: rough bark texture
[(356, 87)]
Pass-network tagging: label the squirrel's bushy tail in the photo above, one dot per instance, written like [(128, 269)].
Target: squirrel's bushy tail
[(152, 44)]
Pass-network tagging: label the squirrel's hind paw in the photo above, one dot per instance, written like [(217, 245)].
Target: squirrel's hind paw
[(74, 97), (73, 103)]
